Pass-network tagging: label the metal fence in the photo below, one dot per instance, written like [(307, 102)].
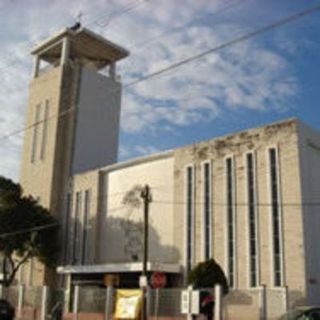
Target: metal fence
[(162, 304)]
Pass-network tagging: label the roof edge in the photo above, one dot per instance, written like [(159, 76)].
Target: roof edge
[(67, 31), (120, 268)]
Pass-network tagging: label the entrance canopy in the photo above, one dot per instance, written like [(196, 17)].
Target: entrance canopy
[(119, 268)]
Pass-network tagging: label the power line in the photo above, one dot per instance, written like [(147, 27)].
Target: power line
[(173, 67), (126, 9), (234, 41), (28, 230), (244, 204), (236, 204), (112, 15), (142, 44)]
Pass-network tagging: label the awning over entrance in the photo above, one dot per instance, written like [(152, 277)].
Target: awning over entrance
[(119, 268)]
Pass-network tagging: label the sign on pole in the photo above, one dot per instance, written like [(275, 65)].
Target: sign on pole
[(128, 304), (158, 280)]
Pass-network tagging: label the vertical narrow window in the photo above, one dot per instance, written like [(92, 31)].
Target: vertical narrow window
[(66, 238), (207, 211), (86, 214), (276, 218), (230, 221), (76, 234), (35, 132), (44, 130), (189, 217), (252, 218), (31, 271)]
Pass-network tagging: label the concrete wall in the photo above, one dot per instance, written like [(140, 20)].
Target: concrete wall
[(282, 136), (121, 220), (46, 177), (97, 124), (81, 183), (37, 176), (309, 144)]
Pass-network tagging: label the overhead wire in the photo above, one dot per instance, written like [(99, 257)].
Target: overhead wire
[(113, 15), (125, 10), (243, 204), (29, 230), (139, 45), (234, 41), (177, 65)]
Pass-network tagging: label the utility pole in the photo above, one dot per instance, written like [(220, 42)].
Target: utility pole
[(146, 196)]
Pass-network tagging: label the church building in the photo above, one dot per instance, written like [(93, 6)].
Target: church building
[(250, 200)]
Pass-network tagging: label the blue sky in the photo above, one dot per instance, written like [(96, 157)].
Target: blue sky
[(268, 78)]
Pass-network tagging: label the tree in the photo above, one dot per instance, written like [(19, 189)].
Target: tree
[(27, 230), (207, 274)]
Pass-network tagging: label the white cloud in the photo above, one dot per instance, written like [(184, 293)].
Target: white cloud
[(245, 76), (126, 152)]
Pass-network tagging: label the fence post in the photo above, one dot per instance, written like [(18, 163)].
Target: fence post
[(44, 299), (109, 302), (20, 299), (148, 300), (218, 302), (190, 317), (67, 293), (75, 302), (263, 302)]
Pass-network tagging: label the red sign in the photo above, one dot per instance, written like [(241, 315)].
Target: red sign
[(158, 280)]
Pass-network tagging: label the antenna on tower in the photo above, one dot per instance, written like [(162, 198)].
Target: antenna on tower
[(79, 16)]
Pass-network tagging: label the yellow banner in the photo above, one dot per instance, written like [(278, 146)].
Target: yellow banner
[(128, 304)]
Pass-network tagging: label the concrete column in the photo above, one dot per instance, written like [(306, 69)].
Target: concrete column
[(263, 303), (218, 302), (44, 300), (65, 51), (286, 298), (36, 66), (112, 70)]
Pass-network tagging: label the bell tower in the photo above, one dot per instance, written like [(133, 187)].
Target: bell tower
[(73, 113)]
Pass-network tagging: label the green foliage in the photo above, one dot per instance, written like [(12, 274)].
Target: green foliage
[(27, 230), (206, 275)]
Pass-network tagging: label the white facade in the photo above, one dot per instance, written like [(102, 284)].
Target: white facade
[(248, 200), (122, 221), (309, 146)]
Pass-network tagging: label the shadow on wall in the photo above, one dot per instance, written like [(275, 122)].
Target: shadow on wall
[(80, 242), (121, 240), (124, 243)]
